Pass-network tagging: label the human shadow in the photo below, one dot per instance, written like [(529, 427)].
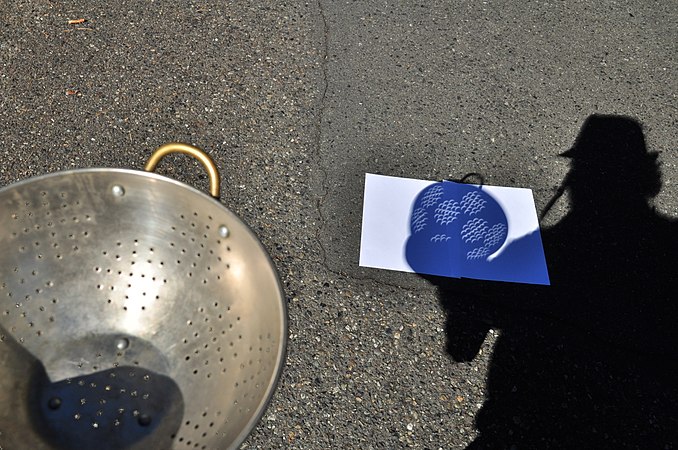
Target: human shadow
[(589, 361)]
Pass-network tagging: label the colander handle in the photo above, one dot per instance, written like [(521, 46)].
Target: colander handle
[(178, 147)]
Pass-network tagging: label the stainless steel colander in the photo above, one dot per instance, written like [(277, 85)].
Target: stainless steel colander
[(135, 312)]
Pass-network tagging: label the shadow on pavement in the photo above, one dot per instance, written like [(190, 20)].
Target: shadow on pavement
[(590, 361)]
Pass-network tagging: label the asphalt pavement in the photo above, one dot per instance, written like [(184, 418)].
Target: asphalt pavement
[(296, 101)]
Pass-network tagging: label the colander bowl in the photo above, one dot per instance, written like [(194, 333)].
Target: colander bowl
[(136, 312)]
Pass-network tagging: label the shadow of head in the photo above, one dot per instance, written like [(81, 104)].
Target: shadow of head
[(610, 158)]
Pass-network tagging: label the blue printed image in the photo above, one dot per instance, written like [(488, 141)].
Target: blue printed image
[(455, 229)]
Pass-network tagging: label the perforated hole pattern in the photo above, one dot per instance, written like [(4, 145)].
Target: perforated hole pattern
[(156, 280)]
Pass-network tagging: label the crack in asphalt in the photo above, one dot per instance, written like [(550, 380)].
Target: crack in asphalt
[(324, 189)]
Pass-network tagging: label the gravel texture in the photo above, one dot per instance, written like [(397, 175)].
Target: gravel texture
[(296, 101)]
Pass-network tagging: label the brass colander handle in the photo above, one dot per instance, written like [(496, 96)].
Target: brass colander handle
[(178, 147)]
